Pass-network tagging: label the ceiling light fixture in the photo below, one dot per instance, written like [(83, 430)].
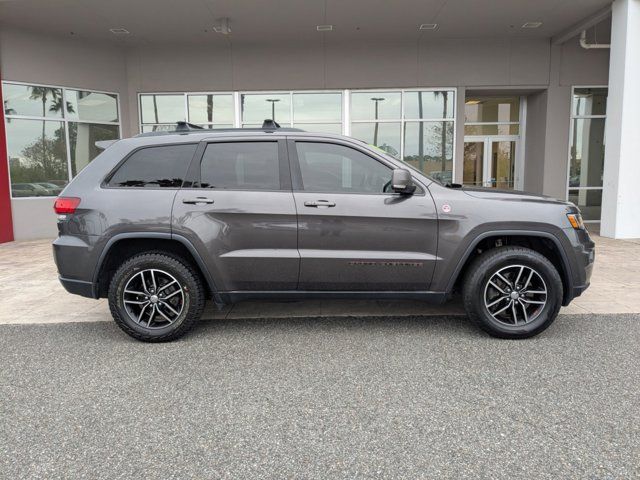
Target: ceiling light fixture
[(472, 101), (531, 25), (428, 26), (119, 31), (324, 28)]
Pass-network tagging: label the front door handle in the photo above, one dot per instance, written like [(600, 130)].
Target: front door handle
[(198, 201), (320, 204)]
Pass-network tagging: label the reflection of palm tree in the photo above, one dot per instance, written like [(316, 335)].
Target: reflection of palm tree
[(210, 108), (375, 128), (43, 93)]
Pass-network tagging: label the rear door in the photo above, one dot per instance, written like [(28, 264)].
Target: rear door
[(352, 234), (237, 209)]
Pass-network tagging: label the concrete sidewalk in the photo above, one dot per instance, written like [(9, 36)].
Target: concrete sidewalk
[(32, 294)]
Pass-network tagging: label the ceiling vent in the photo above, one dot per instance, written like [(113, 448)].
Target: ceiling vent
[(119, 31)]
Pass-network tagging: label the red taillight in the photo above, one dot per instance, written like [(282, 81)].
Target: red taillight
[(65, 205)]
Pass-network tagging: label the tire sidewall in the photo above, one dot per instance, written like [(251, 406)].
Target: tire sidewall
[(530, 259), (134, 266)]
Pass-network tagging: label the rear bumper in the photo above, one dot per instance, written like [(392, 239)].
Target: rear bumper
[(79, 287)]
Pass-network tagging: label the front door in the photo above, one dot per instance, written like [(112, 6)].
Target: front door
[(240, 215), (491, 162), (353, 234)]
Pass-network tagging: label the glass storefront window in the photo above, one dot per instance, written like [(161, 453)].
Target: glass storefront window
[(428, 146), (32, 101), (91, 106), (317, 107), (162, 108), (82, 142), (495, 129), (492, 109), (210, 108), (384, 135), (589, 101), (588, 201), (586, 161), (255, 108), (428, 104), (335, 128), (63, 127), (37, 157), (364, 104)]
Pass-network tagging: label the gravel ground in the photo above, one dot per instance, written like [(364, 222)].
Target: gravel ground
[(394, 398)]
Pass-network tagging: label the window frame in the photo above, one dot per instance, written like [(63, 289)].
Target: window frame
[(65, 121), (296, 173), (104, 184), (572, 118), (193, 177)]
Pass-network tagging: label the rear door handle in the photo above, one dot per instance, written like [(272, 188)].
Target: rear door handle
[(320, 204), (198, 200)]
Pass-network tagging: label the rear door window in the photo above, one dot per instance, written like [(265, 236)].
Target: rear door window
[(241, 166), (155, 167)]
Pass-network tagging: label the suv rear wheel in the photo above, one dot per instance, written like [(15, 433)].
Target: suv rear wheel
[(512, 292), (155, 297)]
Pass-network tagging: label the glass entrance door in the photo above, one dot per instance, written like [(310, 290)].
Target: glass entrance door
[(490, 161)]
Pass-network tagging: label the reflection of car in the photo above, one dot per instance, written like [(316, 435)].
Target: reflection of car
[(51, 187), (162, 222), (31, 190)]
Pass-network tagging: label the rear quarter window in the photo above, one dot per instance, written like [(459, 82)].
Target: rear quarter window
[(154, 167)]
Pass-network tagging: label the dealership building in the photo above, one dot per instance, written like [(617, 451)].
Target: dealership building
[(536, 96)]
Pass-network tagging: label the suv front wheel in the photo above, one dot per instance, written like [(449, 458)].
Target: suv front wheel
[(155, 297), (512, 292)]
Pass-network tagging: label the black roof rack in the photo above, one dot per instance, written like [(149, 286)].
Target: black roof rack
[(182, 127)]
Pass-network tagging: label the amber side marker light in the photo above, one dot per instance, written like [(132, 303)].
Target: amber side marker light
[(66, 205), (575, 219)]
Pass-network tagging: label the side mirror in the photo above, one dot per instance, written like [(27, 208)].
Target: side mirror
[(401, 181)]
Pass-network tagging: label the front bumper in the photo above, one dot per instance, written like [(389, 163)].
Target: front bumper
[(584, 252)]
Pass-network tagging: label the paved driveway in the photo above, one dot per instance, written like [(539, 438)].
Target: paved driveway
[(322, 398)]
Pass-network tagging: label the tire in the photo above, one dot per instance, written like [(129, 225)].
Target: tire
[(172, 307), (485, 294)]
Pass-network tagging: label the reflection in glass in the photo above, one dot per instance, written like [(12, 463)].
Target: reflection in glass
[(492, 109), (321, 127), (158, 128), (91, 106), (211, 109), (37, 156), (589, 101), (589, 202), (82, 139), (586, 159), (492, 129), (32, 101), (317, 107), (428, 146), (473, 163), (429, 105), (388, 104), (502, 164), (256, 108), (387, 138), (162, 108)]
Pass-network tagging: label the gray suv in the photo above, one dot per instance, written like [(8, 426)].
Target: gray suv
[(161, 222)]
